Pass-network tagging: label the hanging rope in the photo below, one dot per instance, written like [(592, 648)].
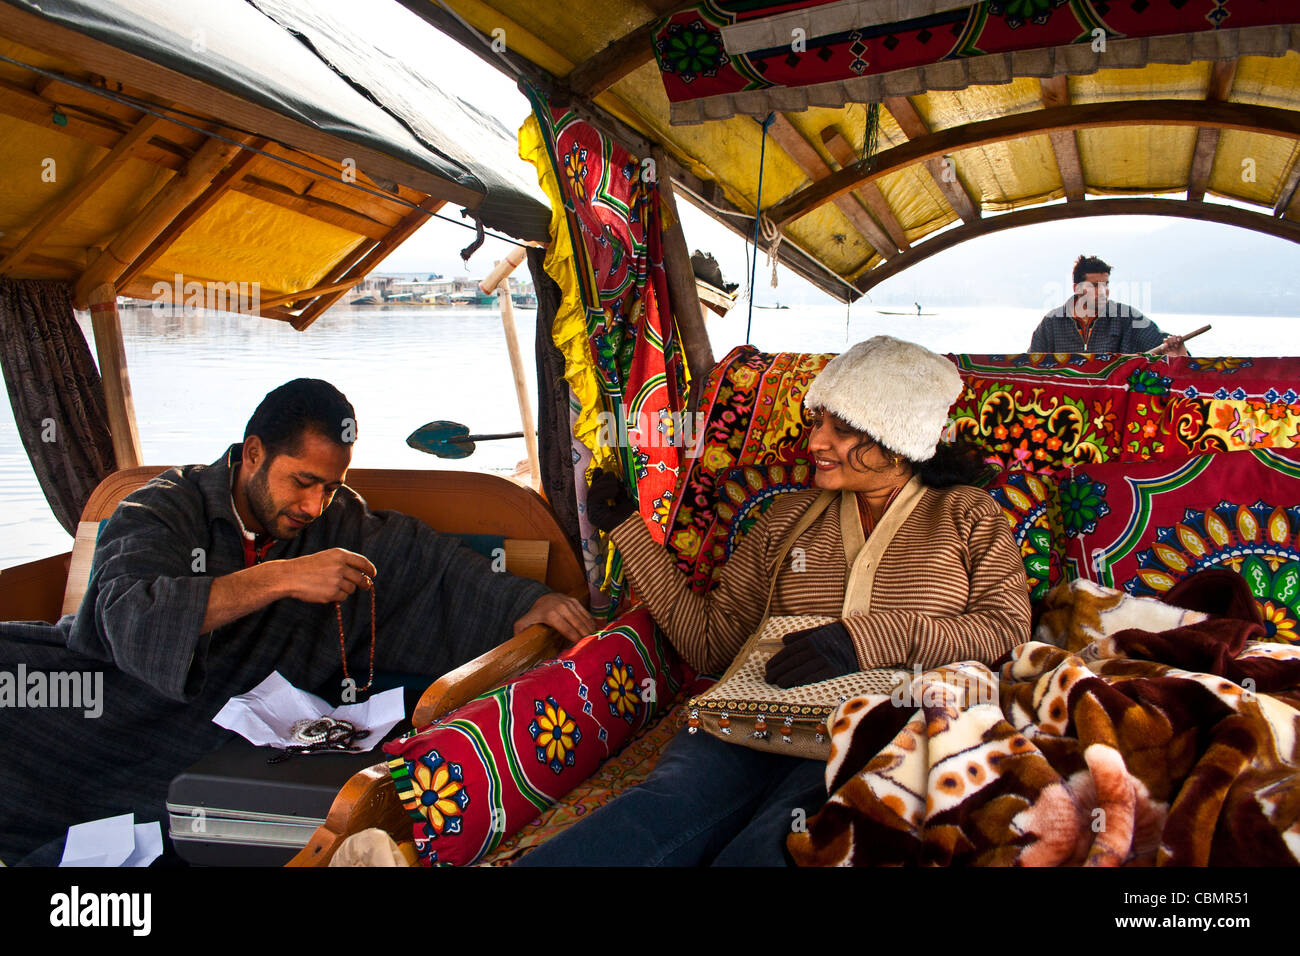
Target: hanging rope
[(758, 215), (772, 236)]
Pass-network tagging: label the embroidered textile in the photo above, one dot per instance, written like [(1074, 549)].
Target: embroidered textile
[(477, 775)]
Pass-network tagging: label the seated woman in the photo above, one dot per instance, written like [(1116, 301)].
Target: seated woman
[(918, 567)]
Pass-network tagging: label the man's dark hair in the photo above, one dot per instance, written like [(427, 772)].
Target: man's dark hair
[(305, 404), (1085, 264)]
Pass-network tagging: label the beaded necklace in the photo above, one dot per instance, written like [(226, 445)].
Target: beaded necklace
[(338, 611)]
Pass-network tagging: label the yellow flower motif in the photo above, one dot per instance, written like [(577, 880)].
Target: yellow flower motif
[(718, 459), (554, 734), (1284, 629), (620, 688), (744, 377), (687, 542), (439, 793)]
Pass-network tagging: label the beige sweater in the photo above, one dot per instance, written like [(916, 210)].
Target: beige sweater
[(946, 585)]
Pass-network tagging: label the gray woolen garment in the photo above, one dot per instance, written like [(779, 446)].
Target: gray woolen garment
[(438, 605)]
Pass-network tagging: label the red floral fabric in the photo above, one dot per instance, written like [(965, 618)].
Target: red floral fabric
[(477, 775), (1142, 526)]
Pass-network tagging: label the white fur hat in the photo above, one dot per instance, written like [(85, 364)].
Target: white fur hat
[(897, 392)]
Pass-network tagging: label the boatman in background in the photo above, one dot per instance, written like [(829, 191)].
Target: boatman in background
[(1091, 322), (213, 576)]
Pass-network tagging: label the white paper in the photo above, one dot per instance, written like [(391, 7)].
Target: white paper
[(266, 714), (113, 841)]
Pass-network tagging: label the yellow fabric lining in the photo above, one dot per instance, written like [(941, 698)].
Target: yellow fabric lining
[(569, 329)]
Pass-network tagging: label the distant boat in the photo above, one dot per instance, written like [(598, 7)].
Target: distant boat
[(904, 312), (525, 300), (364, 300), (777, 306)]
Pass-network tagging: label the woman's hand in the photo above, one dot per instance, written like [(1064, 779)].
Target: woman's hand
[(608, 503), (812, 655)]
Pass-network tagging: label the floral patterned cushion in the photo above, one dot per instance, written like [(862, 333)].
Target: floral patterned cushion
[(477, 775), (1142, 526), (1055, 412), (1030, 503), (753, 449)]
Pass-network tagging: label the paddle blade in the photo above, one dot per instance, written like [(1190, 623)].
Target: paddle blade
[(444, 439)]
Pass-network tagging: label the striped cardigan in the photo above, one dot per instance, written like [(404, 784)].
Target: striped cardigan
[(949, 585)]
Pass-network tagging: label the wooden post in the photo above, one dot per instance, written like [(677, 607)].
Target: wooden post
[(107, 325), (498, 279), (682, 292)]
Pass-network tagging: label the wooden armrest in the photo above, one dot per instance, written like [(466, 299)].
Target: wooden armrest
[(489, 670), (367, 800)]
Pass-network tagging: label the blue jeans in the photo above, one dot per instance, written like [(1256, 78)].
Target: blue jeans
[(706, 802)]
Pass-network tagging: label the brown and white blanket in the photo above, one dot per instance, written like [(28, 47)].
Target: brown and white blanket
[(1150, 736)]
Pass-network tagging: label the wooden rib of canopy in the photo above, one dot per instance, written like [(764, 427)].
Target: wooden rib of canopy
[(1137, 206)]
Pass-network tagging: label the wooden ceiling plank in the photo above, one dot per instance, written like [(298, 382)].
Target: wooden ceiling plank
[(1207, 140), (1056, 92), (58, 210), (1139, 206), (369, 261), (625, 55), (317, 209), (785, 135), (1288, 192), (913, 127), (291, 297), (870, 194), (168, 203), (46, 267), (1266, 120), (230, 176), (23, 104)]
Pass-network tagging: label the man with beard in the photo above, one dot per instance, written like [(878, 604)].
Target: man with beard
[(213, 576)]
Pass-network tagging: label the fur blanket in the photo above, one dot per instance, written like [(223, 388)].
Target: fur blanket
[(1127, 733)]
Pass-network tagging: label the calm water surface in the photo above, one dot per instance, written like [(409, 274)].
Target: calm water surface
[(196, 378)]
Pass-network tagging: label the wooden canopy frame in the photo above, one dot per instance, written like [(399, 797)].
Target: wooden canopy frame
[(1135, 206), (127, 104)]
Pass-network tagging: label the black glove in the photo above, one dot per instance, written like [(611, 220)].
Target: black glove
[(608, 503), (817, 654)]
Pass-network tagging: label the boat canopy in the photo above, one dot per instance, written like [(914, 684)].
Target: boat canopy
[(230, 141), (987, 115)]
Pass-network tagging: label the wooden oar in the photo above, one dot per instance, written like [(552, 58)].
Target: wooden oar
[(1189, 335), (450, 439)]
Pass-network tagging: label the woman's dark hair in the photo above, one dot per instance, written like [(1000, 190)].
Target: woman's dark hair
[(305, 404), (958, 463)]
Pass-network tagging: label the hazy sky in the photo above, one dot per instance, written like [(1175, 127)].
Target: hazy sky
[(1037, 256)]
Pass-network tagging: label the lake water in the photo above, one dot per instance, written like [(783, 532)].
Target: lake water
[(196, 377)]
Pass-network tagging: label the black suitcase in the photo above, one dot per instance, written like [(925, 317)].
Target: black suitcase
[(232, 808)]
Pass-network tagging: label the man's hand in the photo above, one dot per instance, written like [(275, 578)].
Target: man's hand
[(565, 614), (1172, 345), (326, 575)]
